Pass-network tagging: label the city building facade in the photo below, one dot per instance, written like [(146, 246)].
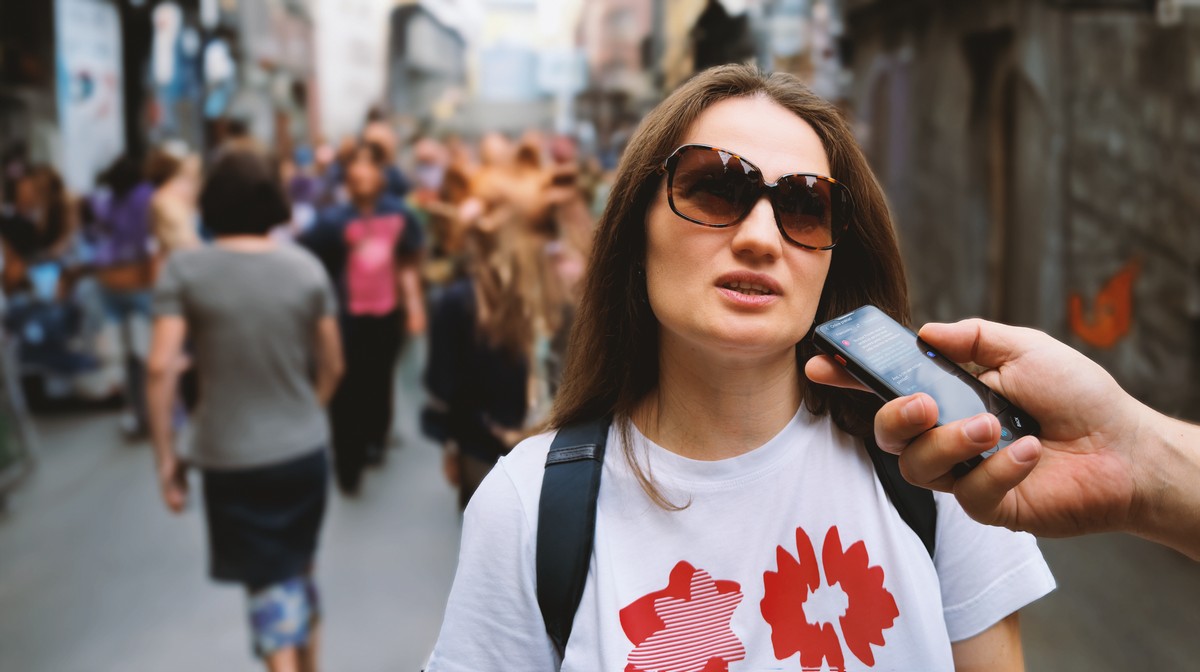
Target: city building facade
[(1040, 157)]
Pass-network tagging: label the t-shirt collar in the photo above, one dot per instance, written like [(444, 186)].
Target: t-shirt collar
[(667, 465)]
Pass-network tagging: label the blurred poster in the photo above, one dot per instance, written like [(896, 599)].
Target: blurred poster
[(89, 82)]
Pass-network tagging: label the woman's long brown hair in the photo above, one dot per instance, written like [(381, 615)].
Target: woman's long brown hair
[(612, 361)]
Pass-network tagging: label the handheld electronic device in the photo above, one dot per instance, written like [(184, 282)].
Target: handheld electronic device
[(892, 361)]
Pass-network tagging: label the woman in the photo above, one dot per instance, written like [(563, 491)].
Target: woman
[(173, 207), (40, 226), (123, 257), (370, 247), (480, 341), (261, 321), (740, 524)]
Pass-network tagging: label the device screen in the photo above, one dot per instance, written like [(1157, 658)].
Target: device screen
[(905, 364)]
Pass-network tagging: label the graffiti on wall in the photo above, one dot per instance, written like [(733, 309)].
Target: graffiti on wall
[(1111, 314)]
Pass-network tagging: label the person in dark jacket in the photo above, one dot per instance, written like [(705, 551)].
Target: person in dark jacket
[(482, 337), (371, 248)]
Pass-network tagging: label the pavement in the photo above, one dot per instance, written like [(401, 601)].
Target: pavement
[(95, 575)]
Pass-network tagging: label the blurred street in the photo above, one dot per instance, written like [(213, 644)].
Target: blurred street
[(217, 216), (132, 594), (88, 554)]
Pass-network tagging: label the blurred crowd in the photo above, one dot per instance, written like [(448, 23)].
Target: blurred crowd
[(494, 238)]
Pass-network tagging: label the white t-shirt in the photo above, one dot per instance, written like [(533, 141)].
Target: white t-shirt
[(789, 557)]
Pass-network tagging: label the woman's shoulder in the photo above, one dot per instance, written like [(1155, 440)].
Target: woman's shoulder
[(460, 292), (526, 461), (298, 255), (190, 258), (521, 471), (456, 303), (303, 265)]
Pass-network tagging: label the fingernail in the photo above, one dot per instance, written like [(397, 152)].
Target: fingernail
[(914, 412), (979, 429), (1023, 451)]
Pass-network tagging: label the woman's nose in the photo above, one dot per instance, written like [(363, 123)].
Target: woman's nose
[(757, 234)]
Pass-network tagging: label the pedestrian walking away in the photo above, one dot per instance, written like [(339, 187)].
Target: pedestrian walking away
[(261, 318)]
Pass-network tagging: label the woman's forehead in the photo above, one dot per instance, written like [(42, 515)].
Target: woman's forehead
[(763, 132)]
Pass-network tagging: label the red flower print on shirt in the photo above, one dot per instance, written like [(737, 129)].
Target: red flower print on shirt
[(684, 627), (870, 608)]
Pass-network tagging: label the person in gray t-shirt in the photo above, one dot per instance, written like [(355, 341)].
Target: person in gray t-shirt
[(251, 317), (261, 321)]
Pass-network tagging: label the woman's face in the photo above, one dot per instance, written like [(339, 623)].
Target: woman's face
[(364, 179), (698, 278), (27, 196)]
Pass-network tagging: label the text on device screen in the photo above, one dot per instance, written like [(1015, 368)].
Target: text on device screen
[(907, 365)]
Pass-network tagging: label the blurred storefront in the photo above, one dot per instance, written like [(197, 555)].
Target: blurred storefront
[(276, 69), (28, 108), (504, 93), (427, 68), (351, 48), (802, 37), (618, 40), (62, 85), (107, 76), (1041, 158)]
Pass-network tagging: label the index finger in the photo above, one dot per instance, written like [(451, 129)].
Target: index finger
[(822, 369)]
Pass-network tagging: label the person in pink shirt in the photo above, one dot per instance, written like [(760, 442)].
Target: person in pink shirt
[(370, 246)]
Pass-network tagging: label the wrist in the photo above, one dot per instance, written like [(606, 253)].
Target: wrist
[(1167, 507), (167, 462)]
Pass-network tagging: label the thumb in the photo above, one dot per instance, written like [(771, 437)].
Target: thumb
[(988, 344)]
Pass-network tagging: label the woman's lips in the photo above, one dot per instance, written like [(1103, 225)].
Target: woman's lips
[(749, 289), (742, 298)]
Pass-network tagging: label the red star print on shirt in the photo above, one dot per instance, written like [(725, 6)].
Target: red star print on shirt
[(870, 608), (686, 626)]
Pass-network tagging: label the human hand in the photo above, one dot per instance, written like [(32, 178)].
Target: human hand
[(470, 210), (415, 322), (450, 467), (1090, 472), (172, 484)]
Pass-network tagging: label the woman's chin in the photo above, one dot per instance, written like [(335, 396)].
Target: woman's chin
[(751, 342)]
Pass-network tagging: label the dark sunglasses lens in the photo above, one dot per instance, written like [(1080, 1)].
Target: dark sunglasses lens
[(713, 187), (809, 210)]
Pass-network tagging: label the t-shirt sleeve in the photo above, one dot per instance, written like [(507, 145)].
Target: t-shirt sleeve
[(492, 619), (986, 572), (323, 240), (326, 299), (412, 238), (168, 289)]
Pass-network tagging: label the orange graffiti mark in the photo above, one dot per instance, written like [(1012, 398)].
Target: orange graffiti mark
[(1112, 311)]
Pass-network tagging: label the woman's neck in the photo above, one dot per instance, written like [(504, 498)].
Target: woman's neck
[(365, 205), (245, 243), (711, 410)]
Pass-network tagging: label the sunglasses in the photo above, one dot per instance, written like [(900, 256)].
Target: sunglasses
[(714, 187)]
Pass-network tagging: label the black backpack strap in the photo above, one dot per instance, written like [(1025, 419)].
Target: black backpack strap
[(567, 523), (915, 504)]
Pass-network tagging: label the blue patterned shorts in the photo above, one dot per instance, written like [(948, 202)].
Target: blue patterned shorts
[(283, 615)]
